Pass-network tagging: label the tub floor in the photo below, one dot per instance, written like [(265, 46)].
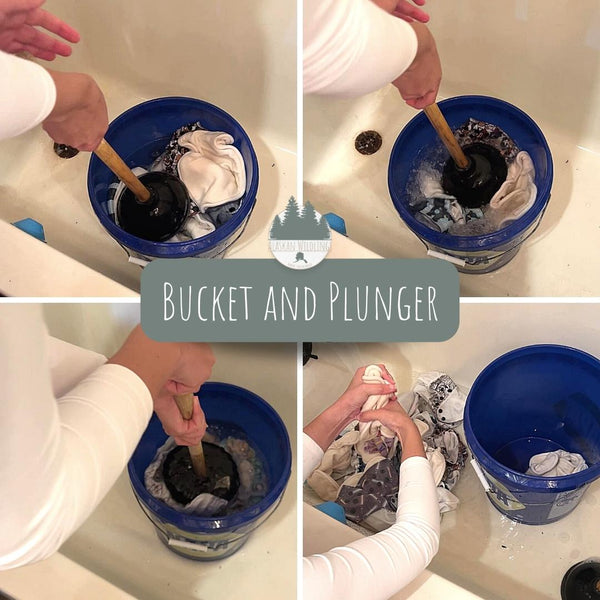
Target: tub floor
[(119, 543), (560, 258), (53, 191), (481, 550), (486, 553)]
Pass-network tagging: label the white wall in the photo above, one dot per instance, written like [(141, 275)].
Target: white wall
[(240, 56), (485, 332)]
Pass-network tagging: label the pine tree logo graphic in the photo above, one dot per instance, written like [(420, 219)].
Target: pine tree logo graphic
[(299, 237)]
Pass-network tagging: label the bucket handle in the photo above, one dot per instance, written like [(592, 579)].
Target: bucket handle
[(480, 475), (462, 262), (187, 545), (171, 541)]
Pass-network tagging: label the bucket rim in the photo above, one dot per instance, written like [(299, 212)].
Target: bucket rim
[(235, 520), (475, 243), (536, 482), (188, 248)]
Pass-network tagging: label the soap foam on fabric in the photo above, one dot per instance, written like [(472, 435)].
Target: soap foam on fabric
[(442, 212)]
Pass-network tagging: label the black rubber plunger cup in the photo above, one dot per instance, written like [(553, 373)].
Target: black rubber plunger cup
[(474, 173), (221, 480), (582, 582), (152, 207), (202, 469)]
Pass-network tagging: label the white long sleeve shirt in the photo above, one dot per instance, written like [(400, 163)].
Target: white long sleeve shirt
[(27, 95), (352, 47), (378, 566), (68, 425)]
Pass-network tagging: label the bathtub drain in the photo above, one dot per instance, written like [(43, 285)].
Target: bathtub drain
[(582, 581), (368, 142), (65, 151)]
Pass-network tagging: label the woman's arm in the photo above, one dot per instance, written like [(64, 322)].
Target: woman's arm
[(378, 566), (352, 47), (62, 455)]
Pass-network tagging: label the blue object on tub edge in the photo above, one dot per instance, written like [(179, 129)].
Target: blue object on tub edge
[(32, 227), (333, 510)]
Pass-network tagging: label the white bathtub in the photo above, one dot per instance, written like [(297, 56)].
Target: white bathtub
[(541, 55), (243, 61), (481, 551), (116, 554)]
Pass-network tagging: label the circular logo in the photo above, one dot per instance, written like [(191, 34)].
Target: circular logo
[(299, 237)]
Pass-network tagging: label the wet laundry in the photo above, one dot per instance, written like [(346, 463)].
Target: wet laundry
[(556, 464), (360, 469), (252, 488), (211, 168), (442, 212), (516, 195)]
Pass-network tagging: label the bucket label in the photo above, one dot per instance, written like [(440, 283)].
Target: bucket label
[(565, 502), (501, 496)]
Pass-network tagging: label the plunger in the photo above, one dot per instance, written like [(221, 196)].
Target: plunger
[(202, 469), (152, 207), (474, 173)]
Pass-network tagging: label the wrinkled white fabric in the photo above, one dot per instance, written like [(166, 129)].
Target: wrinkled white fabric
[(452, 408), (380, 565), (203, 505), (213, 171), (517, 194), (352, 47), (556, 464), (28, 95), (447, 501), (62, 451)]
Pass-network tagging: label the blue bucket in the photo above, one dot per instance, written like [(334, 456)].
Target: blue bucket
[(531, 400), (140, 135), (416, 144), (210, 538)]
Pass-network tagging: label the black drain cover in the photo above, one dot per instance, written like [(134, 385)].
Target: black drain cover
[(582, 581), (65, 151), (368, 142)]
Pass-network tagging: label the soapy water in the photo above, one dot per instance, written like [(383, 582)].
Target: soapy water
[(441, 212), (251, 470)]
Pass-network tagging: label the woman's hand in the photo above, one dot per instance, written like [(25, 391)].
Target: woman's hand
[(419, 84), (187, 432), (324, 428), (19, 20), (191, 370), (169, 369), (79, 117), (393, 416), (357, 392), (404, 9)]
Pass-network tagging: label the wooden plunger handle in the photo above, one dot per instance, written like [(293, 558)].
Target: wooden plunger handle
[(106, 153), (185, 403), (434, 114)]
